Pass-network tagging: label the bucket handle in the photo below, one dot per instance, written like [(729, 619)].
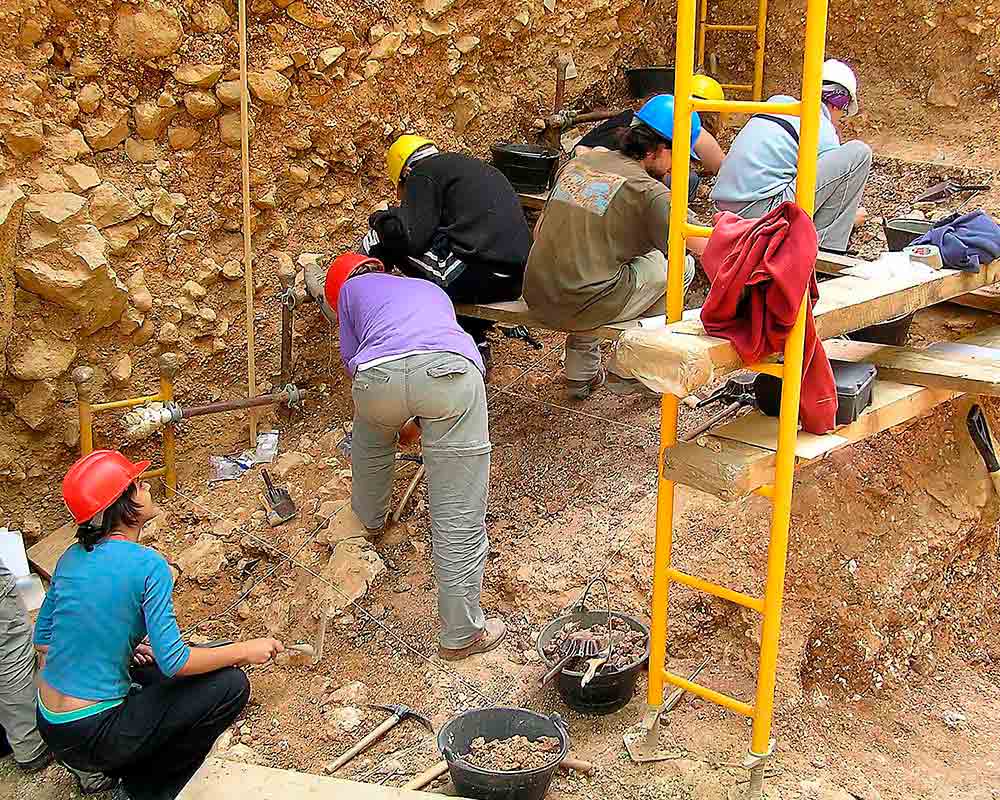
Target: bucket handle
[(557, 720), (582, 607)]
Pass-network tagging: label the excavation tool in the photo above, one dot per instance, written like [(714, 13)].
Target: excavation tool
[(428, 776), (643, 742), (949, 188), (345, 446), (397, 714), (736, 393), (522, 333), (582, 643), (279, 501), (982, 437)]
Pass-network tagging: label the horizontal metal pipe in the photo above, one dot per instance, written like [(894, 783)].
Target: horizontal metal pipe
[(738, 87), (712, 27), (746, 107), (745, 600), (234, 405), (711, 695), (130, 403), (696, 230), (154, 473)]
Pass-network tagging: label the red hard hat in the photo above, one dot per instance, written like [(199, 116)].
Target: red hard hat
[(337, 274), (98, 479)]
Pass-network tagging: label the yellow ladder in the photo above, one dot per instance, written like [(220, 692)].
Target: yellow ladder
[(780, 493), (760, 29)]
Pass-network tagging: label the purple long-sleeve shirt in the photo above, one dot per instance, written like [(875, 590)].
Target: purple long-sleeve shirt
[(382, 316)]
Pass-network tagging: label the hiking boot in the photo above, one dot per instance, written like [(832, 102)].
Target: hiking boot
[(493, 634), (628, 386), (581, 390), (38, 763)]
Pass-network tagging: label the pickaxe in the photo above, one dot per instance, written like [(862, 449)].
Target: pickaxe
[(398, 713)]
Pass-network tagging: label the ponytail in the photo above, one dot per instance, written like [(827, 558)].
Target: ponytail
[(124, 511)]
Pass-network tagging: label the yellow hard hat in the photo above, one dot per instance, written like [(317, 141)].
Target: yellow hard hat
[(707, 88), (400, 152)]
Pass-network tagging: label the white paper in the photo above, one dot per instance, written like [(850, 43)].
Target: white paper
[(12, 553), (32, 592)]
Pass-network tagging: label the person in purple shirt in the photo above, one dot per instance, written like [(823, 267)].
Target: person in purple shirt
[(409, 359)]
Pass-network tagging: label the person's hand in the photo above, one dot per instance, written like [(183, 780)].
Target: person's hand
[(143, 656), (860, 216), (260, 651)]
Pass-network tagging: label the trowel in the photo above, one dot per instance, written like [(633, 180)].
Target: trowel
[(279, 501), (982, 437)]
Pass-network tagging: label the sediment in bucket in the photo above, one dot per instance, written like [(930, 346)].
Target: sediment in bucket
[(455, 739), (609, 691)]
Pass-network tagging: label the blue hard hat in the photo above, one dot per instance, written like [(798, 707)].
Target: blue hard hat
[(658, 114)]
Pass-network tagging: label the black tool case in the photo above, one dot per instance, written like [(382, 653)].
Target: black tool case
[(855, 382)]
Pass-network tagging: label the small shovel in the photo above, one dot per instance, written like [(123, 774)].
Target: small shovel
[(279, 501), (982, 437), (948, 188)]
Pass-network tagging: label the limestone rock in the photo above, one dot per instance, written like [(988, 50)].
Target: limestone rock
[(304, 15), (138, 292), (86, 66), (270, 87), (151, 31), (204, 76), (243, 754), (66, 144), (67, 280), (140, 151), (180, 137), (86, 243), (108, 131), (435, 8), (168, 335), (121, 372), (328, 57), (281, 64), (151, 119), (353, 566), (51, 182), (354, 693), (228, 93), (39, 357), (81, 176), (119, 237), (942, 93), (166, 205), (466, 44), (211, 18), (12, 202), (435, 30), (108, 206), (229, 128), (54, 207), (89, 98), (387, 46), (36, 409), (232, 270), (204, 560), (25, 138), (289, 462), (201, 104), (347, 719), (194, 290)]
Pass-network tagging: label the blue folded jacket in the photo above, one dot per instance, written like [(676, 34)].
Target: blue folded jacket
[(966, 241)]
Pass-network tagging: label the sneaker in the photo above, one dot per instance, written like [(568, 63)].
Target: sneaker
[(38, 763), (627, 386), (581, 390)]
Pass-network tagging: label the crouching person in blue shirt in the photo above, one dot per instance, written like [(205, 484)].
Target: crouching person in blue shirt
[(108, 623)]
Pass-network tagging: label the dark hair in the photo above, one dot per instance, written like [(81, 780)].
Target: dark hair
[(639, 141), (710, 121), (123, 511)]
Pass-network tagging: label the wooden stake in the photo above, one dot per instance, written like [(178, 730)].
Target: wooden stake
[(247, 248)]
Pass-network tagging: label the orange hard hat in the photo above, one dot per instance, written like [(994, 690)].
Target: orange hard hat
[(339, 271), (95, 481)]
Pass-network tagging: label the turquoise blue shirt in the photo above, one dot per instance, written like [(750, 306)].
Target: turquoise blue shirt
[(763, 159), (99, 606)]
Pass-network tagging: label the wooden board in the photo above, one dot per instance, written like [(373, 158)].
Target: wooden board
[(985, 299), (731, 467), (516, 312), (922, 368), (44, 555), (218, 779), (534, 202)]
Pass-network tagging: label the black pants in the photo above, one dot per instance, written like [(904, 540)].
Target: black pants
[(158, 737)]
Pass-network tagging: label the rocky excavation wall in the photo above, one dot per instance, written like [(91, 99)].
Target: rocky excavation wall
[(119, 201)]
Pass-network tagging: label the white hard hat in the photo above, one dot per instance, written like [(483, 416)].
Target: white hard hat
[(838, 72)]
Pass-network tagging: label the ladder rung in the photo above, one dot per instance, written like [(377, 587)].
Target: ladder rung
[(767, 490), (768, 368), (746, 107), (738, 87), (713, 27), (696, 230), (745, 600), (711, 695)]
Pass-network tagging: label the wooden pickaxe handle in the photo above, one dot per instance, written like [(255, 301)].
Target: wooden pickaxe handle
[(428, 776), (364, 744)]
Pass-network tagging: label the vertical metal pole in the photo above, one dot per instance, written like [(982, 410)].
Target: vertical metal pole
[(247, 247), (702, 22), (758, 66), (680, 168), (791, 385), (287, 323), (83, 378), (169, 366)]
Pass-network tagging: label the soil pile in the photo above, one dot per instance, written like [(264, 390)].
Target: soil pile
[(513, 754)]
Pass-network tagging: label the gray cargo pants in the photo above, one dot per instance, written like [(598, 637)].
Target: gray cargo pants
[(583, 352), (17, 674), (446, 393), (841, 175)]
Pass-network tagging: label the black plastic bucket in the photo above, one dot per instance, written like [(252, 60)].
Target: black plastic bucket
[(456, 738), (899, 233), (529, 168), (644, 81), (609, 691)]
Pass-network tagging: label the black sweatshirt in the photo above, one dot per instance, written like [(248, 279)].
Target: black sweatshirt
[(467, 200)]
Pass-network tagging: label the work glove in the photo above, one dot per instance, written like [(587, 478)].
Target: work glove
[(315, 278)]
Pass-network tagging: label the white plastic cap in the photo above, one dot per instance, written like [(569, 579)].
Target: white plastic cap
[(838, 72)]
